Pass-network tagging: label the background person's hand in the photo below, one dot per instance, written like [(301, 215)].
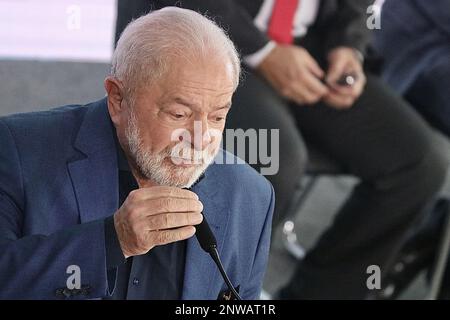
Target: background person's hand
[(155, 216), (342, 61), (294, 74)]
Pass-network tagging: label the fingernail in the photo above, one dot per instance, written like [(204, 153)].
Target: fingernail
[(198, 218)]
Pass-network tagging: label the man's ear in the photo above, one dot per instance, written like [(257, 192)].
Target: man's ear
[(115, 92)]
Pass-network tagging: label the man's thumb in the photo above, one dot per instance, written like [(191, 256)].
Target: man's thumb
[(335, 71)]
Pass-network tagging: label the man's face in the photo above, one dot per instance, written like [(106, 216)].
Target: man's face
[(173, 130)]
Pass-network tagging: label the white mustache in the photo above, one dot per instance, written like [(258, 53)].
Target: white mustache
[(183, 152)]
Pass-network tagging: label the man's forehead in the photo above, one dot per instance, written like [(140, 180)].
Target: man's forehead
[(191, 87), (190, 104), (191, 93), (197, 104)]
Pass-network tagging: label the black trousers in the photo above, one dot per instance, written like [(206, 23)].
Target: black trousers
[(383, 142), (429, 94)]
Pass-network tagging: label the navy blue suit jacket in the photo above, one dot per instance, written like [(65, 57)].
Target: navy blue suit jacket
[(414, 37), (59, 181)]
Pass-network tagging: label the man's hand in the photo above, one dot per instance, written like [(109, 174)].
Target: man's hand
[(294, 74), (155, 216), (341, 61)]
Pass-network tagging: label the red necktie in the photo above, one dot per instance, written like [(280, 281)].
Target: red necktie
[(281, 23)]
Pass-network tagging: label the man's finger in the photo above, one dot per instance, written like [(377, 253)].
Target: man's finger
[(303, 96), (315, 69), (335, 71), (311, 83), (353, 90), (360, 84), (344, 90), (164, 191), (168, 236), (339, 101), (165, 205), (303, 59), (173, 220)]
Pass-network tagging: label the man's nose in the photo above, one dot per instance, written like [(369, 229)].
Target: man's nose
[(201, 134)]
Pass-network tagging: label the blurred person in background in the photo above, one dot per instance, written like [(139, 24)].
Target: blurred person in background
[(414, 42), (414, 45)]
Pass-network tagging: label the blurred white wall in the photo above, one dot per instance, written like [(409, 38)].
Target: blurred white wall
[(71, 30)]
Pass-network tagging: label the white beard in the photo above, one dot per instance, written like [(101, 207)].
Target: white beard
[(161, 168)]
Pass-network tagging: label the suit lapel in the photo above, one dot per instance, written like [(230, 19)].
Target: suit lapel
[(95, 175), (200, 271)]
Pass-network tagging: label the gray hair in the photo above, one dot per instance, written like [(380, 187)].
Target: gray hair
[(147, 45)]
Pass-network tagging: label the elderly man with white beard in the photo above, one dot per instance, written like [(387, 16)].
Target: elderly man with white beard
[(103, 200)]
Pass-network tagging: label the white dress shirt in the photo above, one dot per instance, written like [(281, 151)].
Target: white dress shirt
[(304, 17)]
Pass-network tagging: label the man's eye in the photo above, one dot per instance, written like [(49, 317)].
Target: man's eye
[(218, 119), (178, 116)]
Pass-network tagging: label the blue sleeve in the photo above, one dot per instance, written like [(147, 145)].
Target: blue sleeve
[(114, 254), (40, 266), (438, 13), (251, 290)]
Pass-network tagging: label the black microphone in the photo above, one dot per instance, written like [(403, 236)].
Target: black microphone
[(209, 243)]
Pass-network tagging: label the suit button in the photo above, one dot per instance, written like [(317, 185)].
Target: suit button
[(67, 292), (135, 281)]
